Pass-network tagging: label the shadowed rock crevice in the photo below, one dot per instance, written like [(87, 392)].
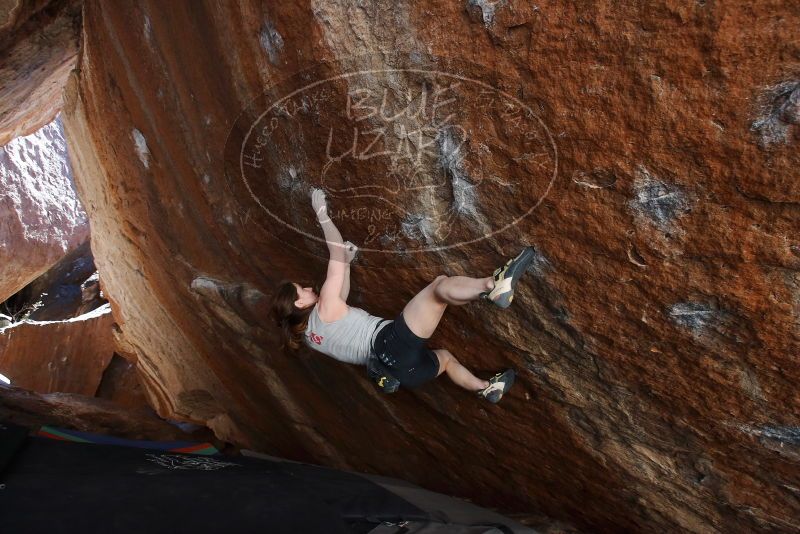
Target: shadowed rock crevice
[(69, 289)]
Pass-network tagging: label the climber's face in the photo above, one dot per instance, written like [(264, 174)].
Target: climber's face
[(305, 297)]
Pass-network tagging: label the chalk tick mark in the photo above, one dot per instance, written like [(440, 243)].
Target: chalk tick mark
[(488, 8), (783, 434), (451, 159), (141, 148), (271, 41), (596, 179), (694, 315), (658, 201), (780, 110), (635, 258)]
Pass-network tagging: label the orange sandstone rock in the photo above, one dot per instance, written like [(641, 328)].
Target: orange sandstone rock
[(87, 414), (656, 336), (58, 356), (38, 49)]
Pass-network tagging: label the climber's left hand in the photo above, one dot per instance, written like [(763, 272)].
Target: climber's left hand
[(350, 251)]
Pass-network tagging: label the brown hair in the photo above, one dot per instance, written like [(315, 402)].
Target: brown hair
[(290, 319)]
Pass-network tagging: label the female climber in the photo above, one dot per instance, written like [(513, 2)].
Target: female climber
[(395, 352)]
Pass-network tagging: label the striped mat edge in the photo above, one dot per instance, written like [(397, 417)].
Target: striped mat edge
[(186, 447)]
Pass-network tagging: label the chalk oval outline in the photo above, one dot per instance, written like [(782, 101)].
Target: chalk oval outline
[(400, 70)]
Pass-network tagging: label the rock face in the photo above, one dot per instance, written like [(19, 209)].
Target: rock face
[(41, 218), (87, 414), (38, 49), (651, 155), (59, 356)]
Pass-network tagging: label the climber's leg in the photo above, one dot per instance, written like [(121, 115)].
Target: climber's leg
[(492, 390), (459, 374), (423, 312)]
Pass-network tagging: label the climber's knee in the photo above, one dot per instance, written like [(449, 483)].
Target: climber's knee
[(445, 357), (436, 283)]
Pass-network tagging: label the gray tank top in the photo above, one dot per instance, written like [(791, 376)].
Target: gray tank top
[(348, 340)]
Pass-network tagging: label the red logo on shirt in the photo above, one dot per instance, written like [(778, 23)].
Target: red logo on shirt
[(315, 338)]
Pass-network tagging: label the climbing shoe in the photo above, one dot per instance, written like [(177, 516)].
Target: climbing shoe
[(380, 375), (507, 277), (498, 385)]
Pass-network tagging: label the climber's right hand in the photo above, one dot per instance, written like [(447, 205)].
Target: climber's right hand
[(319, 203)]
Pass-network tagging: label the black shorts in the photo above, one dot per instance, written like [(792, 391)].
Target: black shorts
[(405, 354)]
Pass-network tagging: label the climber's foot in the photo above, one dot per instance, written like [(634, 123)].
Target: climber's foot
[(507, 277), (498, 385)]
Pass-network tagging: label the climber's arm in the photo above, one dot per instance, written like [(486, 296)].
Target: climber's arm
[(336, 246), (332, 295), (350, 251), (332, 305), (346, 284)]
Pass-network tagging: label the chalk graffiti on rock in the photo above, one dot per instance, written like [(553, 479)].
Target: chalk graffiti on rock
[(409, 157)]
